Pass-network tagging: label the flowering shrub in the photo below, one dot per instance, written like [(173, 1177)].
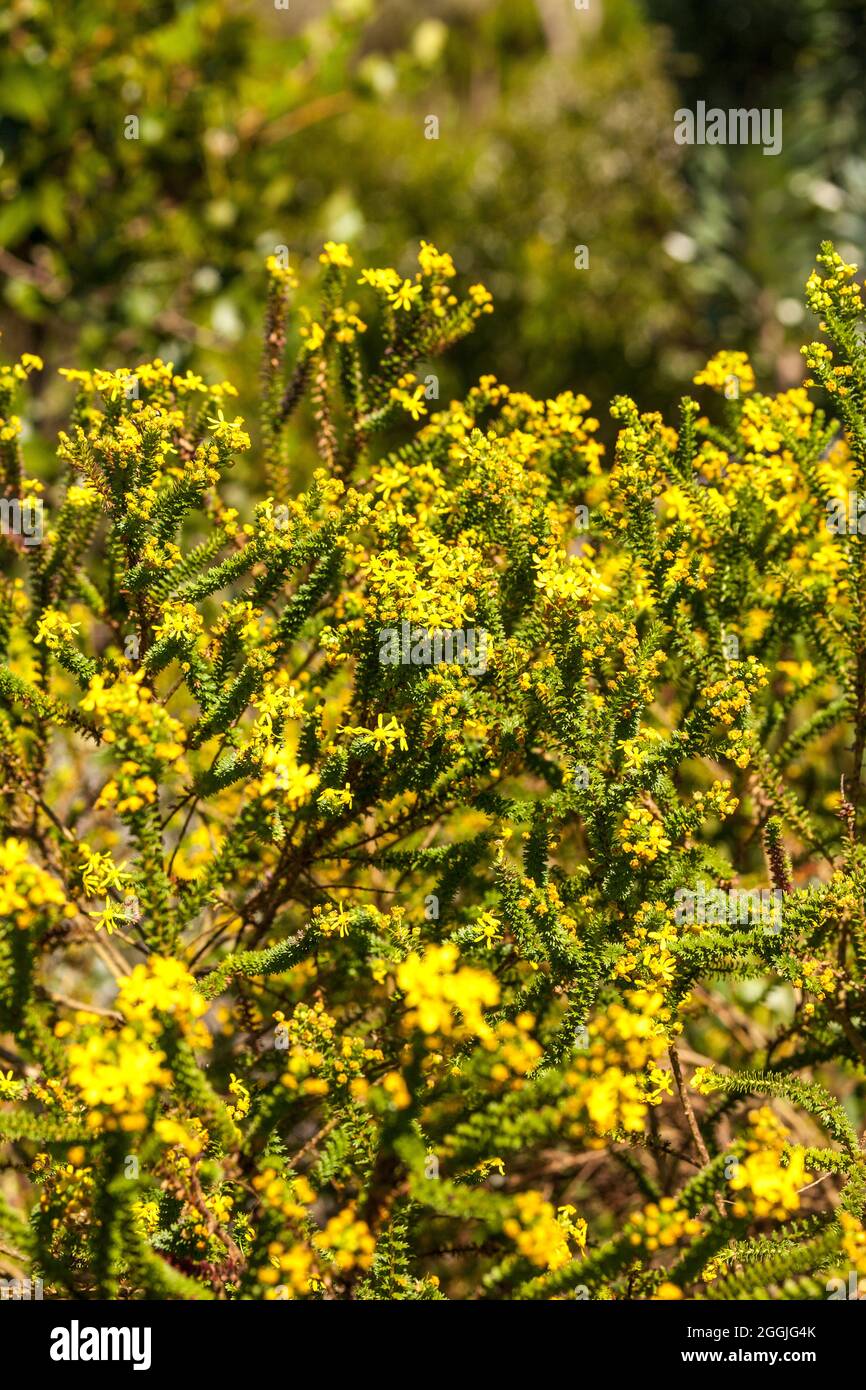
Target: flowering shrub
[(329, 976)]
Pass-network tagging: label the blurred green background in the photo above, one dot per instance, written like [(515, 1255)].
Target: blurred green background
[(259, 127)]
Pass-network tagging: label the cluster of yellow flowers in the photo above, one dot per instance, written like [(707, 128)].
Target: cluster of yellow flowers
[(542, 1234), (838, 286), (730, 372), (117, 1076), (436, 988), (160, 985), (717, 800), (661, 1225), (318, 1058), (10, 376), (616, 1078), (647, 960), (770, 1187), (347, 1241), (127, 711), (853, 1240), (294, 1269), (643, 836), (27, 891)]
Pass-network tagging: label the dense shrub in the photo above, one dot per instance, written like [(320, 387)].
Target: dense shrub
[(374, 858)]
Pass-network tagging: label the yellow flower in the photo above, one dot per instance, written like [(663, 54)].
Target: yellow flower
[(412, 402), (146, 1216), (100, 873), (405, 296), (388, 736), (487, 928), (281, 274), (10, 1088), (347, 1241), (27, 891), (160, 984), (772, 1189), (55, 629), (383, 280), (397, 1089), (242, 1103), (642, 836), (726, 368), (536, 1232), (119, 1072), (435, 263), (313, 335), (336, 253), (175, 1136), (481, 298), (282, 774), (435, 988)]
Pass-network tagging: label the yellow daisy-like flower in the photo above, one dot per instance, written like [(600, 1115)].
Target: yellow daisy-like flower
[(405, 296)]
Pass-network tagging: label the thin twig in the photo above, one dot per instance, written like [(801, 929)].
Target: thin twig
[(691, 1120)]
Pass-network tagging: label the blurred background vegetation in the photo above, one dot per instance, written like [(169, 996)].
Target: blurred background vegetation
[(260, 127)]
